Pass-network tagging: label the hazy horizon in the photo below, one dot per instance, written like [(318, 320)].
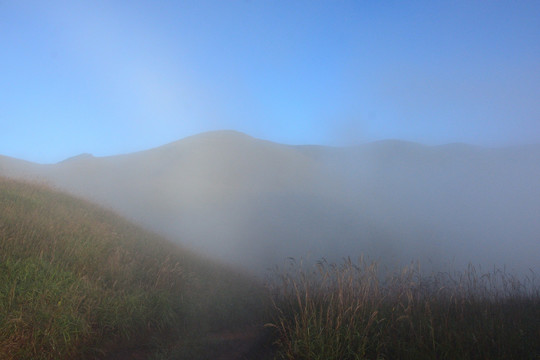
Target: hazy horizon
[(336, 146)]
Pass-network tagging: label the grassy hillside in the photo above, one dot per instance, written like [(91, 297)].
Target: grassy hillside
[(77, 281)]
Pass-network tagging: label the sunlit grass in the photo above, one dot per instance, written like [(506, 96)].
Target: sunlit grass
[(353, 311)]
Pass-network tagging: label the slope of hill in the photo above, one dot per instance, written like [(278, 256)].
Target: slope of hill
[(254, 203), (77, 281)]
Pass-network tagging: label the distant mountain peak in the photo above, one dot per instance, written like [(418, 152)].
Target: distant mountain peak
[(221, 134), (83, 156), (217, 136)]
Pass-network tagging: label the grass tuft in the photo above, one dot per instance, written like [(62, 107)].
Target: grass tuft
[(354, 311)]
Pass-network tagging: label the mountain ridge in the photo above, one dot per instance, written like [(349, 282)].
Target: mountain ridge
[(234, 135), (255, 202)]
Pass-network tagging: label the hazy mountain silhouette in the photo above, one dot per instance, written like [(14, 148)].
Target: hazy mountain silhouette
[(254, 202)]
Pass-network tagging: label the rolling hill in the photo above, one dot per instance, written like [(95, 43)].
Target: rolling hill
[(253, 203), (78, 281)]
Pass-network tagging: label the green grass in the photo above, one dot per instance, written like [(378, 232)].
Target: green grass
[(353, 311), (77, 281)]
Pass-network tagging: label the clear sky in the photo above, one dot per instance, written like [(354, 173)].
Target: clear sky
[(111, 77)]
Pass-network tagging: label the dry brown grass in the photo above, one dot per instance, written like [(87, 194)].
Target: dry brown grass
[(354, 311)]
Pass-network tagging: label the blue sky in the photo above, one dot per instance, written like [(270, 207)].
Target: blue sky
[(111, 77)]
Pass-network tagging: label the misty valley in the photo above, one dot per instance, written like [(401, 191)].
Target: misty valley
[(390, 249)]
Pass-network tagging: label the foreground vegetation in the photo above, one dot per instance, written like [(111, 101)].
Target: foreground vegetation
[(352, 311), (77, 281)]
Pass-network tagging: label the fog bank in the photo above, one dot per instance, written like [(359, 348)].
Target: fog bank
[(254, 203)]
